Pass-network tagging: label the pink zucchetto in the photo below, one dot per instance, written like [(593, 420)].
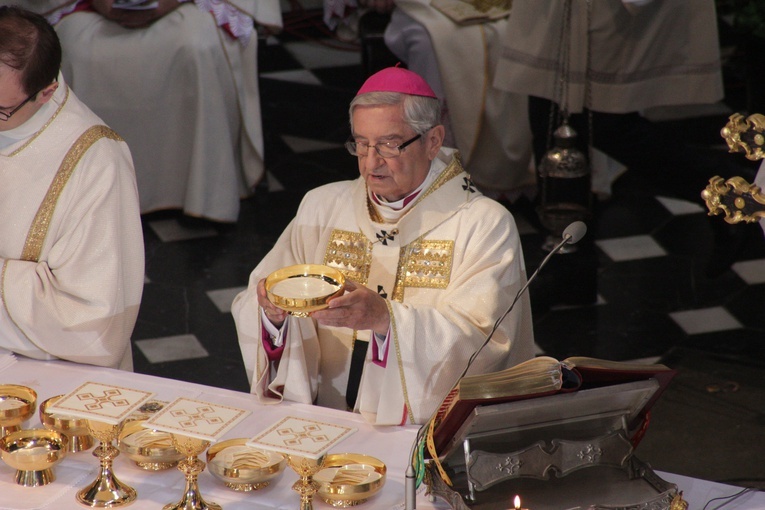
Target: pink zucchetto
[(397, 79)]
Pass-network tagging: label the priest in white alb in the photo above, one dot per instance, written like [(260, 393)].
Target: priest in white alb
[(71, 244), (430, 264)]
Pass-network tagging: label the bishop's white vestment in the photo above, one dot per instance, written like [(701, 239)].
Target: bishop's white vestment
[(183, 92), (71, 244), (448, 269)]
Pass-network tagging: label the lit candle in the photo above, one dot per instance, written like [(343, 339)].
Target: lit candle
[(517, 503)]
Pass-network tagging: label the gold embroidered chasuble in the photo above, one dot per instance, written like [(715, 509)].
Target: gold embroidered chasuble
[(448, 268), (72, 248)]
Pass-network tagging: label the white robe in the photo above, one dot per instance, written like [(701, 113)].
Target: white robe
[(184, 95), (665, 52), (439, 318), (71, 290), (490, 126)]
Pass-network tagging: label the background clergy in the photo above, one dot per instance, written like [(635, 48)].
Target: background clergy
[(429, 262), (71, 245)]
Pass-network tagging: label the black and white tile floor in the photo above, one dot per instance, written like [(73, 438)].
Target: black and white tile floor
[(646, 267)]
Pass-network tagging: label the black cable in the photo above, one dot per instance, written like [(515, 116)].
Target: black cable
[(729, 499)]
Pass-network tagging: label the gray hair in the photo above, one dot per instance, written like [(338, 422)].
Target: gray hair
[(420, 113)]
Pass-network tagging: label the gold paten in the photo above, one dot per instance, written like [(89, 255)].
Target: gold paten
[(150, 449), (17, 404), (301, 306), (33, 453), (736, 198), (75, 429), (349, 479), (242, 467), (746, 134)]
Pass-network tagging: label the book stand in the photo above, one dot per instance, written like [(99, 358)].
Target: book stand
[(558, 452)]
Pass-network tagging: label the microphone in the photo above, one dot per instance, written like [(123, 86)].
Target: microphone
[(571, 234)]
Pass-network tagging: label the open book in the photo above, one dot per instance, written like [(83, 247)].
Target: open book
[(536, 378)]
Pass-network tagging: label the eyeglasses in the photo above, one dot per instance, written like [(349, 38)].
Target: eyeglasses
[(5, 116), (384, 149)]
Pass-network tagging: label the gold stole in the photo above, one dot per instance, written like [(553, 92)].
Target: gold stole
[(39, 228)]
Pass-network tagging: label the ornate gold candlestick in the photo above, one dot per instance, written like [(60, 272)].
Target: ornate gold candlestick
[(305, 468), (191, 467), (17, 404), (106, 490)]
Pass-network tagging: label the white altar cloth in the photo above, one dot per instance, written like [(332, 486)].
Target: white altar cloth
[(156, 489)]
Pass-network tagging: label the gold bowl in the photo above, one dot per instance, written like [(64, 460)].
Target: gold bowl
[(241, 467), (33, 453), (17, 404), (150, 449), (349, 479), (304, 288), (75, 429)]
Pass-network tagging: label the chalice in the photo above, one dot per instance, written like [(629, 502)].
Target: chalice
[(305, 467), (76, 429), (106, 491), (17, 404), (191, 466)]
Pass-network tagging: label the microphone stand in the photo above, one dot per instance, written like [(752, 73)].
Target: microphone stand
[(572, 234)]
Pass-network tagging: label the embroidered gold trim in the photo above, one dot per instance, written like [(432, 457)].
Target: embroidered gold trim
[(39, 228), (34, 136), (423, 264), (450, 172), (351, 254), (374, 215), (398, 358)]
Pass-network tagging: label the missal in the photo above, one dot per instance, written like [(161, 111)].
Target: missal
[(537, 378)]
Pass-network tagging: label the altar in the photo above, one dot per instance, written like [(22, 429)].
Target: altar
[(157, 488)]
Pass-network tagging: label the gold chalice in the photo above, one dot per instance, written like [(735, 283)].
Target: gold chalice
[(150, 449), (305, 468), (349, 479), (244, 468), (33, 453), (106, 491), (304, 288), (76, 429), (17, 404), (191, 466)]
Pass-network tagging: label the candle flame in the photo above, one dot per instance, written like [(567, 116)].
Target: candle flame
[(517, 503)]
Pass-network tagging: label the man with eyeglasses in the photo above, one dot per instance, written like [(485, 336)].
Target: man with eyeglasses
[(71, 244), (430, 265)]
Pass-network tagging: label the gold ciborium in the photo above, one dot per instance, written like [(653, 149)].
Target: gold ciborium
[(150, 449), (17, 404), (106, 490), (33, 453), (305, 468), (244, 468), (349, 479), (304, 288), (191, 466), (76, 429)]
